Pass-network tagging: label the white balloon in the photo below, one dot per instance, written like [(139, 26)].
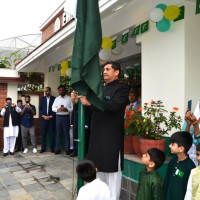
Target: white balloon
[(156, 15), (69, 72), (105, 54), (118, 50)]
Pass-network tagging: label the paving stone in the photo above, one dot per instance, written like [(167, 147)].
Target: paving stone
[(33, 187), (23, 197), (11, 186), (24, 175), (61, 176), (44, 195), (2, 166), (16, 168), (40, 175), (9, 180), (27, 181), (54, 187), (45, 181), (69, 184), (63, 194), (3, 170), (6, 174), (4, 194), (17, 192), (11, 164)]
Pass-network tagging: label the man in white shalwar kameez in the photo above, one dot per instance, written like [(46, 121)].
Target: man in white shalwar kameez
[(11, 127)]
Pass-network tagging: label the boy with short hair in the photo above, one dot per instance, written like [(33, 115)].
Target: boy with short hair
[(179, 167), (193, 186), (150, 181), (95, 189)]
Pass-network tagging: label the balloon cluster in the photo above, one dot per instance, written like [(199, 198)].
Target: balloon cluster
[(65, 69), (105, 52), (162, 15)]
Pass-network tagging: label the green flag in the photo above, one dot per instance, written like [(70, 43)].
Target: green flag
[(198, 7), (179, 173), (125, 37), (144, 26), (70, 64), (182, 14), (86, 72), (114, 43), (59, 67), (136, 31), (53, 68)]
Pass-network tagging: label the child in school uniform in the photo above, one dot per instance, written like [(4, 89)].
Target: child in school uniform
[(150, 181), (95, 189), (193, 186), (179, 167)]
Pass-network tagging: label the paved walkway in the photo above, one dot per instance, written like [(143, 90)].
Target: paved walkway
[(37, 177)]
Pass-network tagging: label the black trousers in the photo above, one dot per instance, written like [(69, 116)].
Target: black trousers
[(18, 144)]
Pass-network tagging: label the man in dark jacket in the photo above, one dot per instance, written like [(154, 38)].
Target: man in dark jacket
[(106, 147), (47, 119), (10, 125)]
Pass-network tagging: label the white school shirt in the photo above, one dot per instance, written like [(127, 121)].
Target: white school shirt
[(95, 190), (65, 101), (11, 130)]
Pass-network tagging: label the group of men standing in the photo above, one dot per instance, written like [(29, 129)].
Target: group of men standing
[(18, 121)]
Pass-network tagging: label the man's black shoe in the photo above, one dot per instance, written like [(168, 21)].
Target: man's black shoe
[(5, 154), (42, 150), (12, 153), (68, 152), (57, 152), (52, 151)]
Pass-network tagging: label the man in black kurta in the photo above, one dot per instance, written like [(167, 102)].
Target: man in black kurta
[(106, 147)]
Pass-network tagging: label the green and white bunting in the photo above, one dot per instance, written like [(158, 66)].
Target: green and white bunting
[(59, 67), (53, 68), (136, 31), (181, 15), (69, 64), (198, 7), (125, 35), (114, 43), (144, 27)]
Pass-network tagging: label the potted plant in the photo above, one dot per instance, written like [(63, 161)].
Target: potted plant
[(157, 122), (132, 121)]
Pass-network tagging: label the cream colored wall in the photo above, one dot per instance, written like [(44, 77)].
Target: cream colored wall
[(192, 58), (52, 79), (12, 91)]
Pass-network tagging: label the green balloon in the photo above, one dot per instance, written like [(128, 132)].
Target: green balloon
[(163, 25), (162, 6)]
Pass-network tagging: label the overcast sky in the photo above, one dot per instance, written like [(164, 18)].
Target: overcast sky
[(21, 17)]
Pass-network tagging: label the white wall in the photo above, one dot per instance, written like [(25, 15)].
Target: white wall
[(12, 91), (52, 79), (192, 58), (4, 72)]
